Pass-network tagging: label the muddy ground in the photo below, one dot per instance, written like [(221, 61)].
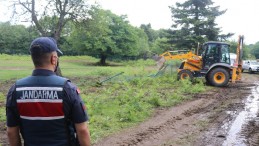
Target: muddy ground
[(199, 122)]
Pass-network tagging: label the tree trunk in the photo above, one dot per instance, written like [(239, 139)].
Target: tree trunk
[(103, 59), (61, 20), (33, 13)]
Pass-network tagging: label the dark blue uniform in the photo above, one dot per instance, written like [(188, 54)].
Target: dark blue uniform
[(46, 107)]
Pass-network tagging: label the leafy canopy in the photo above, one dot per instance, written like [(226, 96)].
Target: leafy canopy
[(105, 34), (193, 22)]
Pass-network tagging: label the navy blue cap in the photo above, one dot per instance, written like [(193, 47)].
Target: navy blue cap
[(47, 44)]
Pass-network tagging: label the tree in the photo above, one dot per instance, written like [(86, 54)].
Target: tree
[(142, 46), (152, 34), (194, 21), (61, 11), (160, 46), (93, 35), (255, 50), (105, 34), (250, 51), (160, 43), (157, 39), (15, 39)]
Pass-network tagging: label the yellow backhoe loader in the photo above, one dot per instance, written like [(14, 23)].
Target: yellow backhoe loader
[(214, 63)]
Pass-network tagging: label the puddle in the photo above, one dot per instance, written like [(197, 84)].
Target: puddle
[(234, 137)]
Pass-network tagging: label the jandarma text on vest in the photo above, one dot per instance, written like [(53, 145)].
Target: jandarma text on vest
[(36, 93)]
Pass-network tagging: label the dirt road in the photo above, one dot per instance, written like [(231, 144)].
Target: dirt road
[(217, 117)]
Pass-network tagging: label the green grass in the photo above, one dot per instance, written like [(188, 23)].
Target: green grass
[(13, 67), (121, 102), (2, 108)]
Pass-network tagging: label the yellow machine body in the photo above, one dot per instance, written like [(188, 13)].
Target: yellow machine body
[(217, 73)]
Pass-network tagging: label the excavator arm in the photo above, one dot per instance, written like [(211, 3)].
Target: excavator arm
[(175, 55), (237, 66)]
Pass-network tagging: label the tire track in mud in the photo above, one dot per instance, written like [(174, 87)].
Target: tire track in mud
[(251, 132), (217, 132), (174, 122), (250, 129)]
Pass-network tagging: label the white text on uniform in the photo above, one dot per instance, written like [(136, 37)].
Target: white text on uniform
[(39, 94)]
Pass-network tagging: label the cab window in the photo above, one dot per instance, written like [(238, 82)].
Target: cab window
[(225, 56), (212, 50)]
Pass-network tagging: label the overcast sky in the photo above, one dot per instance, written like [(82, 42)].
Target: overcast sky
[(240, 18)]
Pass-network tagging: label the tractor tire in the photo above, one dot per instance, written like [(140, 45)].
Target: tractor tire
[(218, 77), (207, 81), (185, 74)]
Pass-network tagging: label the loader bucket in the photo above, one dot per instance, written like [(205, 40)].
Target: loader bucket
[(160, 61)]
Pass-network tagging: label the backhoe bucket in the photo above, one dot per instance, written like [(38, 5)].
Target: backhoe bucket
[(160, 61)]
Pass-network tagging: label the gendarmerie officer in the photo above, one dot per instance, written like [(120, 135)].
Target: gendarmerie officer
[(46, 109)]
